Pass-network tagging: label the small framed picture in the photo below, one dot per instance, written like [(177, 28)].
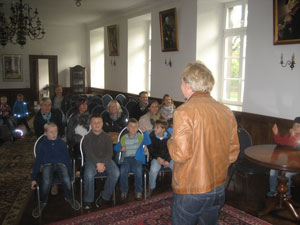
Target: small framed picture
[(286, 15), (113, 40), (168, 30), (12, 67)]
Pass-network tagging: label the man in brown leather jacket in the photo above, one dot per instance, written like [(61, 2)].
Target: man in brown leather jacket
[(203, 145)]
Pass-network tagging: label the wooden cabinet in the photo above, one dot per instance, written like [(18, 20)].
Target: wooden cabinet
[(79, 79)]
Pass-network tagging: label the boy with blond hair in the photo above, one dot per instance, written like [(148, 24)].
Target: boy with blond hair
[(131, 146), (52, 157)]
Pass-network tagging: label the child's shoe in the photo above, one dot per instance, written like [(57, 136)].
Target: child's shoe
[(138, 196)]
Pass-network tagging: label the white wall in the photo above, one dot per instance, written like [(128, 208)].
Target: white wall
[(210, 18), (269, 88), (68, 43)]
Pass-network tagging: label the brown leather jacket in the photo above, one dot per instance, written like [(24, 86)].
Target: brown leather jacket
[(204, 144)]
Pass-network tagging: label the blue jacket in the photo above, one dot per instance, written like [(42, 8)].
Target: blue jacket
[(140, 154), (49, 151), (20, 109)]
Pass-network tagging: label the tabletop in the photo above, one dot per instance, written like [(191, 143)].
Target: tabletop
[(279, 158)]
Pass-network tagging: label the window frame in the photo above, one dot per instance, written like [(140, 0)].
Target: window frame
[(231, 32)]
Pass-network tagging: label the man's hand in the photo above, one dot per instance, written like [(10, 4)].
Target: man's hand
[(292, 132), (123, 149), (33, 185), (100, 167)]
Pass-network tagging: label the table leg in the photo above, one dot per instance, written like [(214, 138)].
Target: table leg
[(282, 199)]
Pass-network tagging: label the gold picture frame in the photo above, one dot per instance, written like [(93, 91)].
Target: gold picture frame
[(168, 30), (12, 67), (286, 15), (113, 40)]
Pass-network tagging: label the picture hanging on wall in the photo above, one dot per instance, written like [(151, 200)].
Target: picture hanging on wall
[(168, 30), (286, 21), (12, 67), (113, 40)]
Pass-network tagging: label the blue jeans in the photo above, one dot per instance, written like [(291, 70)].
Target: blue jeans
[(112, 172), (130, 164), (48, 172), (274, 182), (154, 170), (190, 209)]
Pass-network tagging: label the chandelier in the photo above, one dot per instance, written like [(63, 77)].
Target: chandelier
[(20, 25)]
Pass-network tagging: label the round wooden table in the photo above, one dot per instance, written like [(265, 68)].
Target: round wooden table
[(284, 159)]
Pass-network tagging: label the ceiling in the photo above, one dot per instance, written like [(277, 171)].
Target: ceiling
[(65, 12)]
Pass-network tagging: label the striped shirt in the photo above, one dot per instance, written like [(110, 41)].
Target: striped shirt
[(132, 145)]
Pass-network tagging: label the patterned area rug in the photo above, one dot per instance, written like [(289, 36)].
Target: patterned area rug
[(16, 160), (156, 210)]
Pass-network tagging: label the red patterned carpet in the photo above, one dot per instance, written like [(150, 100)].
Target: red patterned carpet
[(156, 210)]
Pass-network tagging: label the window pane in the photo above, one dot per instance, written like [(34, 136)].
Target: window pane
[(231, 90), (233, 46), (246, 16), (234, 17), (231, 68)]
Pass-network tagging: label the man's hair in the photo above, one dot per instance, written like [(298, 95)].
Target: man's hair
[(20, 95), (117, 104), (48, 125), (198, 76), (162, 123), (46, 99), (142, 93), (95, 115), (133, 120)]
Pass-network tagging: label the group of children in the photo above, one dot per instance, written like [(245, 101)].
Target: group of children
[(13, 117), (98, 152)]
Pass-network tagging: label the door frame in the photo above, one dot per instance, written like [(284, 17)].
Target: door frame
[(34, 73)]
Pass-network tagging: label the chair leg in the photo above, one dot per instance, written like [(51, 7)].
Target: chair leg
[(114, 196), (39, 200), (145, 185), (229, 180), (81, 193)]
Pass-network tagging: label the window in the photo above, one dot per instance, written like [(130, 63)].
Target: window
[(234, 57), (97, 57), (139, 54)]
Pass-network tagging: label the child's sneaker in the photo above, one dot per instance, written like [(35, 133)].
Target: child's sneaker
[(138, 196), (36, 213)]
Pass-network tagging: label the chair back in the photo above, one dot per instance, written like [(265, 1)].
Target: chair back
[(130, 106), (106, 99), (97, 99), (121, 99), (37, 143), (98, 109), (70, 112), (126, 112), (244, 139)]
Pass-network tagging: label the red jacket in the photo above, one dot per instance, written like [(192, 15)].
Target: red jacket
[(287, 140)]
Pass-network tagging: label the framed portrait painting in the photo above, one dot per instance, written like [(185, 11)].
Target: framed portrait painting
[(113, 40), (168, 30), (12, 67), (286, 15)]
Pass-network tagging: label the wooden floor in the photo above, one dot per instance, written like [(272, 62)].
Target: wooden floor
[(58, 209)]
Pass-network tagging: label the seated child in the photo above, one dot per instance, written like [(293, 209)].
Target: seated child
[(159, 152), (6, 117), (20, 112), (98, 150), (290, 139), (52, 157), (132, 158)]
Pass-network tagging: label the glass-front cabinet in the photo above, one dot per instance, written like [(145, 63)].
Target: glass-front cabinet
[(79, 81)]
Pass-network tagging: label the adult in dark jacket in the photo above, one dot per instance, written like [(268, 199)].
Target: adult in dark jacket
[(114, 119), (141, 108), (78, 125), (47, 114)]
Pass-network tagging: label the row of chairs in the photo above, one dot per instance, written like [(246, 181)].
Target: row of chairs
[(103, 175)]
